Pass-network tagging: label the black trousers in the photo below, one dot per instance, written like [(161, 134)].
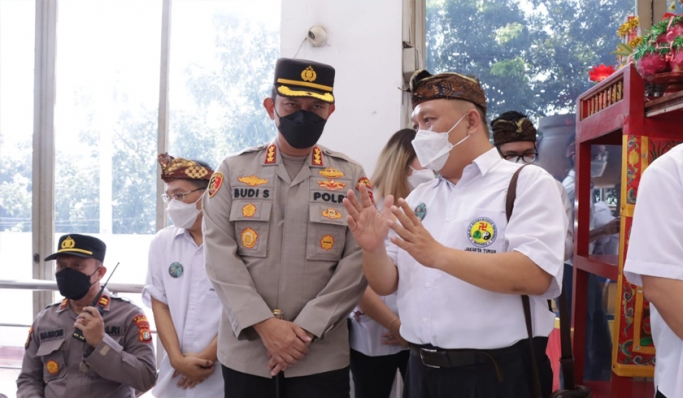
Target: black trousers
[(481, 380), (373, 377), (333, 384), (659, 395)]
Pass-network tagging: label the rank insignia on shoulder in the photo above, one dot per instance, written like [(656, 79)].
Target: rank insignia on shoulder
[(327, 242), (271, 154), (249, 238), (421, 211), (215, 183), (63, 304), (249, 210), (317, 157), (331, 173), (331, 185), (52, 367), (252, 181), (332, 214), (103, 302)]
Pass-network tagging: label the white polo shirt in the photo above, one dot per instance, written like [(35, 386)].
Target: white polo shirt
[(176, 277), (439, 309), (656, 249)]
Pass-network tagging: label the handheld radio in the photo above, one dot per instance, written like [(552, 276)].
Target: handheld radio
[(97, 303)]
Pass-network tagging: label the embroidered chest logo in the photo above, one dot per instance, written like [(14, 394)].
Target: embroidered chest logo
[(175, 269), (327, 242), (331, 173), (252, 181), (421, 211), (52, 367), (482, 232), (332, 214), (249, 238), (332, 185), (249, 210)]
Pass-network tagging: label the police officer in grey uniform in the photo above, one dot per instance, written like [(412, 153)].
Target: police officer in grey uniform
[(276, 239), (113, 358)]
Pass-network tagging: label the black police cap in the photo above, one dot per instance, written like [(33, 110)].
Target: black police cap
[(81, 246), (296, 78)]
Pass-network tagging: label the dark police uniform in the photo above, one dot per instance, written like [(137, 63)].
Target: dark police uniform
[(57, 365)]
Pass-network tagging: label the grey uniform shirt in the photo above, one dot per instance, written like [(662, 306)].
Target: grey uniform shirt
[(57, 365), (274, 242)]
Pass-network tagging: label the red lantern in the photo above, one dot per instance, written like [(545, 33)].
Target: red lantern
[(600, 73)]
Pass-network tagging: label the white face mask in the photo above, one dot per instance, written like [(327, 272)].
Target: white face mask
[(420, 176), (598, 167), (432, 148), (183, 214)]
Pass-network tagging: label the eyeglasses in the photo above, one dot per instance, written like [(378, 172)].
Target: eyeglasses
[(179, 196), (527, 158)]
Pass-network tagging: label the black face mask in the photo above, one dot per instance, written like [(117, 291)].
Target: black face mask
[(302, 129), (73, 284)]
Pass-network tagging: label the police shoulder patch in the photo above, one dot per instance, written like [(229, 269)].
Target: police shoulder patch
[(215, 183)]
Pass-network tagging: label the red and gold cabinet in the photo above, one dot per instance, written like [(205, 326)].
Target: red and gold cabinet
[(616, 112)]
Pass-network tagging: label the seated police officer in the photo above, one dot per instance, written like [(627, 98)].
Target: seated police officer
[(114, 356)]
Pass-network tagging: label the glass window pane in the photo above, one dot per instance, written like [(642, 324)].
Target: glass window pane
[(17, 31), (108, 57), (222, 60)]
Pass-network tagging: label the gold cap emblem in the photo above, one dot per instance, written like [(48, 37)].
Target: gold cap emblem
[(68, 243), (308, 74)]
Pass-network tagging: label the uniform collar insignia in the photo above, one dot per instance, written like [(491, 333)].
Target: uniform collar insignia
[(271, 154), (63, 305), (317, 157)]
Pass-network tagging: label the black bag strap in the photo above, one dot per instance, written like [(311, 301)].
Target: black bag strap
[(509, 206), (567, 359)]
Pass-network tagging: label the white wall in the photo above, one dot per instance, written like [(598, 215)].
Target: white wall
[(365, 48)]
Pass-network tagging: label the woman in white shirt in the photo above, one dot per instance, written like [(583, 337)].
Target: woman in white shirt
[(377, 348)]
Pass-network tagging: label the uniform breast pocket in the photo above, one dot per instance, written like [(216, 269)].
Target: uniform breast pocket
[(252, 223), (326, 233), (482, 230), (54, 366)]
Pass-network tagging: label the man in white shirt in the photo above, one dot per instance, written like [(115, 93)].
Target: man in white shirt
[(460, 271), (186, 308), (654, 261), (514, 135)]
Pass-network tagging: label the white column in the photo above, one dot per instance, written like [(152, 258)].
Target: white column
[(365, 46), (43, 220), (162, 132)]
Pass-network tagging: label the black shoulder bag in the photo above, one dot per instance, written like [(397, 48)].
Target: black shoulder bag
[(567, 361)]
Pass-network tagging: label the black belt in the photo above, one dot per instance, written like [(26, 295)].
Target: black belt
[(435, 357)]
